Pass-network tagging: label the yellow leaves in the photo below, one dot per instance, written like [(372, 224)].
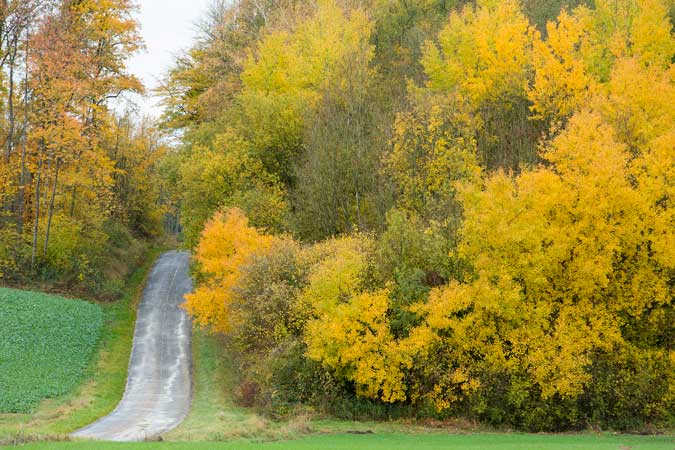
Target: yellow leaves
[(224, 176), (354, 338), (350, 330), (640, 102), (227, 244), (297, 63), (561, 83), (651, 34), (558, 360), (432, 149), (562, 255), (626, 28), (584, 49), (485, 51), (291, 69), (588, 148), (338, 276)]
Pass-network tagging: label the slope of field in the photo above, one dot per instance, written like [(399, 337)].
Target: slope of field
[(46, 343)]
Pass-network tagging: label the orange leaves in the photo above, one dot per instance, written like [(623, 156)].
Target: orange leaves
[(227, 243)]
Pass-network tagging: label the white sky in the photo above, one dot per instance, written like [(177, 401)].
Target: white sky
[(167, 26)]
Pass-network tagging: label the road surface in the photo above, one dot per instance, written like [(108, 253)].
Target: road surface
[(157, 395)]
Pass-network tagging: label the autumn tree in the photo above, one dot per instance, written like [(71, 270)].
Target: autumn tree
[(63, 188), (484, 55), (339, 185), (228, 243)]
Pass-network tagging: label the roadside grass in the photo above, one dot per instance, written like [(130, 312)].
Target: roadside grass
[(213, 415), (216, 422), (395, 441), (105, 375), (46, 345)]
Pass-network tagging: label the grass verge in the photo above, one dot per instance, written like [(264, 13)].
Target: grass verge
[(106, 375), (213, 414), (396, 441)]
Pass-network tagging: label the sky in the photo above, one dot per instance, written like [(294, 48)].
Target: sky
[(167, 26)]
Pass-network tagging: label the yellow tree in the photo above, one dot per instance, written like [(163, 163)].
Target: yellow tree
[(583, 47), (283, 78), (562, 83), (563, 258), (484, 56), (226, 246), (349, 331)]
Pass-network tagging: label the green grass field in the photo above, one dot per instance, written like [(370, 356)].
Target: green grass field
[(104, 379), (395, 441), (46, 344)]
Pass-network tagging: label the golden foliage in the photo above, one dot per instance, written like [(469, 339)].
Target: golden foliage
[(350, 331), (562, 255), (484, 52), (227, 244)]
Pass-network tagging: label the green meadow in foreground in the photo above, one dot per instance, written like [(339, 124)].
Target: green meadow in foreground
[(401, 441), (46, 344)]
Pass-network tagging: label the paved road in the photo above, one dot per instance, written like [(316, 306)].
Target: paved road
[(157, 396)]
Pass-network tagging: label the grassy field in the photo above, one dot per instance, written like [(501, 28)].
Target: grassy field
[(106, 375), (46, 344), (399, 441)]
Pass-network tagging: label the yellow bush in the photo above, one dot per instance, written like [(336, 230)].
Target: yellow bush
[(350, 331), (226, 245), (563, 256)]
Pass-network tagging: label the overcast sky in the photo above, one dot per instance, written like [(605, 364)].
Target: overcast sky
[(168, 26)]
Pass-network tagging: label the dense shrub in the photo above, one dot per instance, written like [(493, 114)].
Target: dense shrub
[(14, 257), (312, 328)]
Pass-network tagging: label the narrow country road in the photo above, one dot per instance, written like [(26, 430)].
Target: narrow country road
[(157, 395)]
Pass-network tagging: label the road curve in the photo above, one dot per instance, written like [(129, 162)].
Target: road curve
[(157, 396)]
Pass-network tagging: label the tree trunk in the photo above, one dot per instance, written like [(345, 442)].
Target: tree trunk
[(22, 172), (9, 148), (72, 201), (51, 206), (36, 225)]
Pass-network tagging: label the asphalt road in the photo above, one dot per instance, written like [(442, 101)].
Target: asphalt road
[(157, 396)]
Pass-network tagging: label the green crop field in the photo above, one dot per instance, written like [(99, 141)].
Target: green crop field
[(46, 344)]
